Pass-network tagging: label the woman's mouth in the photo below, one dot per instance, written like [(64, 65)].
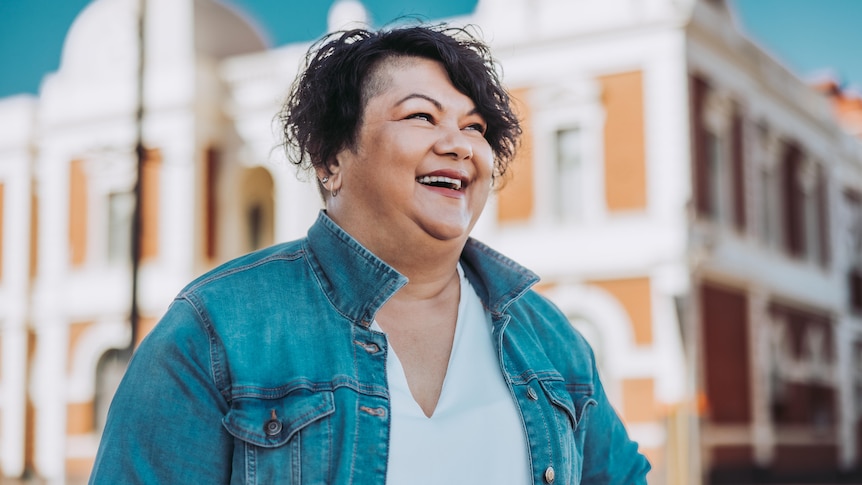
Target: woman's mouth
[(440, 181)]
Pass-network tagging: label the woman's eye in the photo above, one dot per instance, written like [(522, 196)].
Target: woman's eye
[(477, 127), (421, 116)]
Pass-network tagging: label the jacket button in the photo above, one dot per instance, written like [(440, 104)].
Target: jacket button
[(273, 426), (369, 347), (532, 394), (549, 474)]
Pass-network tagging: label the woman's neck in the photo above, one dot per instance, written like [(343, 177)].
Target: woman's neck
[(428, 263)]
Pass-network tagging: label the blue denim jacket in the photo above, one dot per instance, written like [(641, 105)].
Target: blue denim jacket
[(265, 371)]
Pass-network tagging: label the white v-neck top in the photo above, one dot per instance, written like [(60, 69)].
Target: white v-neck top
[(475, 434)]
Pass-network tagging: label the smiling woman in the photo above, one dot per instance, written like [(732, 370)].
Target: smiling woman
[(387, 346)]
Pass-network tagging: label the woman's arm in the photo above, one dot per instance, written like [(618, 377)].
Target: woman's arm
[(165, 422), (610, 457)]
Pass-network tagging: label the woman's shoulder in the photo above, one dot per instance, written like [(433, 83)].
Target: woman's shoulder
[(537, 316), (248, 268), (544, 314)]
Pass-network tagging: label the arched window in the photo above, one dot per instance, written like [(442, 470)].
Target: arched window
[(109, 372), (594, 337), (258, 209)]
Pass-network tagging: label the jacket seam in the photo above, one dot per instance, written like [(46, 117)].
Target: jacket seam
[(219, 375), (292, 256), (337, 382)]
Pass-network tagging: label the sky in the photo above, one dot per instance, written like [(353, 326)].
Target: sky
[(811, 37)]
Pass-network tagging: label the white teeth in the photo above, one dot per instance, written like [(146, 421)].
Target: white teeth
[(430, 179)]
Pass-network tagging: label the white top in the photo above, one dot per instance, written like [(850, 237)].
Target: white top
[(475, 434)]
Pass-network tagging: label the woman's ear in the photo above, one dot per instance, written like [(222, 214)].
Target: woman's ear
[(329, 177), (334, 166), (335, 178), (322, 173)]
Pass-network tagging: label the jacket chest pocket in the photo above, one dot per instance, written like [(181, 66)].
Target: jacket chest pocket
[(281, 440), (567, 412)]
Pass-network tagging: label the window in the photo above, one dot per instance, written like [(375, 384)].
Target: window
[(258, 209), (109, 372), (715, 170), (854, 289), (767, 146), (805, 212), (255, 226), (853, 223), (791, 202), (121, 206), (808, 182), (568, 183), (719, 180), (767, 221)]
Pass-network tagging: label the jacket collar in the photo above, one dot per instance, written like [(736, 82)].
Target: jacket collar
[(358, 283)]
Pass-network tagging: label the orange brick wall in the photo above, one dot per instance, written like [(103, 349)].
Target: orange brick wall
[(145, 325), (150, 209), (639, 405), (34, 234), (624, 141), (80, 418), (78, 469), (635, 296), (30, 410), (77, 213), (515, 200)]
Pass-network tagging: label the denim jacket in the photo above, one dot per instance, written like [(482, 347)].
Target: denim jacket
[(265, 371)]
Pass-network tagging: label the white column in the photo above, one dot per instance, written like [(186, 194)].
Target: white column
[(14, 298), (178, 230), (48, 378), (14, 399), (694, 345), (759, 354), (847, 378), (668, 281), (296, 201), (48, 392)]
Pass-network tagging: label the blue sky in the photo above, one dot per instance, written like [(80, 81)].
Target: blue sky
[(808, 36)]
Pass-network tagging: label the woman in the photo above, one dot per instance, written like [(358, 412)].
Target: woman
[(386, 346)]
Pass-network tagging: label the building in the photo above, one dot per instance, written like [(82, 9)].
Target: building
[(691, 205)]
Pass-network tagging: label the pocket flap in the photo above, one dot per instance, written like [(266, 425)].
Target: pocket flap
[(574, 403), (269, 423)]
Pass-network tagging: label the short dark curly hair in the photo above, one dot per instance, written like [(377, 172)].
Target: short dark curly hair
[(324, 109)]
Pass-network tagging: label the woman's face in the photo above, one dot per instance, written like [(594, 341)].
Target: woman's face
[(421, 166)]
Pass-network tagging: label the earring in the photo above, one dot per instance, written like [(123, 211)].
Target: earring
[(324, 180), (333, 192)]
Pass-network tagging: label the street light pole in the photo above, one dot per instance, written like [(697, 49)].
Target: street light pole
[(140, 153)]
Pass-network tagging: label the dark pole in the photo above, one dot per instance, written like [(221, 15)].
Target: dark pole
[(140, 152)]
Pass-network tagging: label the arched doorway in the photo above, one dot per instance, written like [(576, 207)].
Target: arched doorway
[(257, 211)]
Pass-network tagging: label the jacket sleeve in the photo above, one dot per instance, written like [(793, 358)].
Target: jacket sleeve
[(610, 457), (165, 421)]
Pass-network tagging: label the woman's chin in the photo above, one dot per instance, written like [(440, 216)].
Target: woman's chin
[(442, 230)]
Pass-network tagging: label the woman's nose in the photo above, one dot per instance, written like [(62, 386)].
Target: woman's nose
[(454, 143)]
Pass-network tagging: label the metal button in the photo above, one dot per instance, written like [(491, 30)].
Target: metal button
[(273, 426), (549, 474), (380, 412), (532, 394), (369, 347)]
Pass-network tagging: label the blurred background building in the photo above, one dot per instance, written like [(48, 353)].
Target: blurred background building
[(693, 206)]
